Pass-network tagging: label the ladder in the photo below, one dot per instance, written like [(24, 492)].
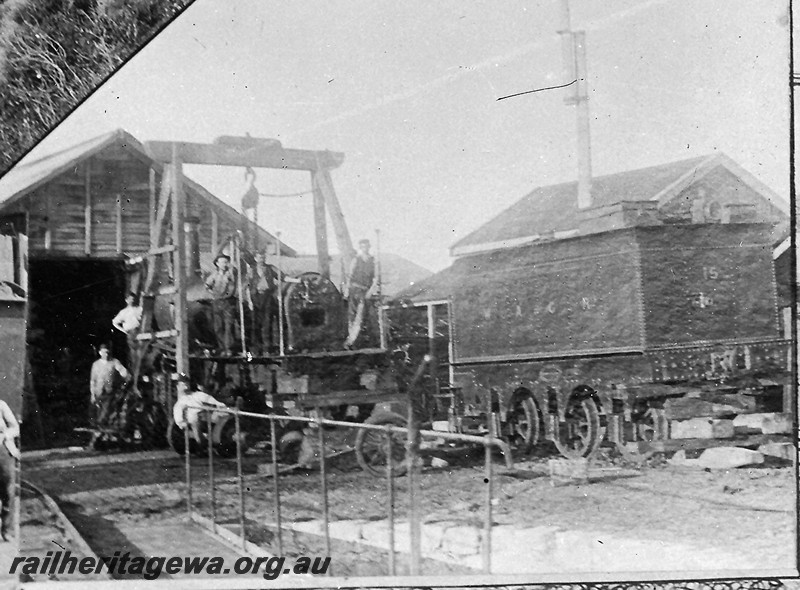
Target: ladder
[(165, 254)]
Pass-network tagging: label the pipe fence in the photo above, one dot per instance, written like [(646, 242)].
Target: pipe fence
[(413, 436)]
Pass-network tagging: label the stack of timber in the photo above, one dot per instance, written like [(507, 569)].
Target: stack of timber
[(701, 420)]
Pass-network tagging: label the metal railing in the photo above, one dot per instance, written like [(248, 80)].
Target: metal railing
[(412, 446)]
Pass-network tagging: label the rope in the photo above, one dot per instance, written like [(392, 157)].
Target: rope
[(286, 195)]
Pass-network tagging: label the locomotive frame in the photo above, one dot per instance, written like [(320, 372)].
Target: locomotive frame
[(314, 373)]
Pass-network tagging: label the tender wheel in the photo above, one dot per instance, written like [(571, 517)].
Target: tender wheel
[(371, 446), (579, 435), (522, 424), (648, 425)]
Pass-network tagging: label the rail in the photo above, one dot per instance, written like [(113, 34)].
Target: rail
[(413, 436)]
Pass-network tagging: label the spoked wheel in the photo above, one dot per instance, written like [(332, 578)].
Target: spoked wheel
[(226, 447), (522, 424), (371, 446), (176, 441), (579, 435), (647, 426)]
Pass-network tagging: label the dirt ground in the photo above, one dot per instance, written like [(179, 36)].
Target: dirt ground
[(747, 511), (41, 532)]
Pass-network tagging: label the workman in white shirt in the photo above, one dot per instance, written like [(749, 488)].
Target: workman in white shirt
[(128, 321), (188, 411)]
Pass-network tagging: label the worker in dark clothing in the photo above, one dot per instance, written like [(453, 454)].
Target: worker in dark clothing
[(9, 455), (221, 283), (106, 384), (263, 301), (360, 284)]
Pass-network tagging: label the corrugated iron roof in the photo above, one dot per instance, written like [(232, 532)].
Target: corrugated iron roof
[(25, 178), (554, 209), (437, 287)]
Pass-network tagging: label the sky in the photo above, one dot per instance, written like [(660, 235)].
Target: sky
[(408, 91)]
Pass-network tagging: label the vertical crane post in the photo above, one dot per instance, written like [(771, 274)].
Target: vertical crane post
[(178, 239)]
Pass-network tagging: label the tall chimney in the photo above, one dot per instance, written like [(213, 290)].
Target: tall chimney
[(574, 54)]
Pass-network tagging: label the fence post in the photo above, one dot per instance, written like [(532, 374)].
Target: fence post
[(390, 508), (237, 420), (488, 481), (412, 450), (276, 487), (324, 477), (188, 465), (210, 444)]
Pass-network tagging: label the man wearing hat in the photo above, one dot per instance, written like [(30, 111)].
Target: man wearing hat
[(107, 376), (262, 294), (221, 283), (361, 283)]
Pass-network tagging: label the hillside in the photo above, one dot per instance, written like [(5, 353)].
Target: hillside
[(54, 53)]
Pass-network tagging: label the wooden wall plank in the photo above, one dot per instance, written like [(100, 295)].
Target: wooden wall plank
[(87, 212)]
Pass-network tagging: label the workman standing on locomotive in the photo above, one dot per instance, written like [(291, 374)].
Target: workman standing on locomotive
[(361, 284), (128, 321), (262, 291), (221, 283), (9, 455), (105, 385)]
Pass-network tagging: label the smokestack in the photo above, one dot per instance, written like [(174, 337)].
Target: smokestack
[(191, 228), (574, 55)]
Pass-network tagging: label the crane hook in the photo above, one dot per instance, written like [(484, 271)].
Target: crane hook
[(250, 196)]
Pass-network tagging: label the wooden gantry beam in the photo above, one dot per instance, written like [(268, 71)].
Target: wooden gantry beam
[(269, 153), (323, 184), (321, 229), (252, 152)]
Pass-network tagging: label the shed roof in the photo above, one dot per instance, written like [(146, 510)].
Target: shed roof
[(25, 178), (554, 208)]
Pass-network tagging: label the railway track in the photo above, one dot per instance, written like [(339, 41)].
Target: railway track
[(45, 530)]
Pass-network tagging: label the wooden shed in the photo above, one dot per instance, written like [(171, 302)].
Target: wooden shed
[(89, 208), (98, 199)]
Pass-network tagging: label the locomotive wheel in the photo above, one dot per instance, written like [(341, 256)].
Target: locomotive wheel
[(176, 441), (226, 447), (523, 424), (371, 447), (579, 435)]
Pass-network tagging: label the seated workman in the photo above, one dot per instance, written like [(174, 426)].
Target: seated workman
[(189, 408)]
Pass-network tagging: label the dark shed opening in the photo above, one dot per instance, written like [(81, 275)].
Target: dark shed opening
[(72, 303)]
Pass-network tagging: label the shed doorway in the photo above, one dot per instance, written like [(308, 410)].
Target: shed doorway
[(72, 303)]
